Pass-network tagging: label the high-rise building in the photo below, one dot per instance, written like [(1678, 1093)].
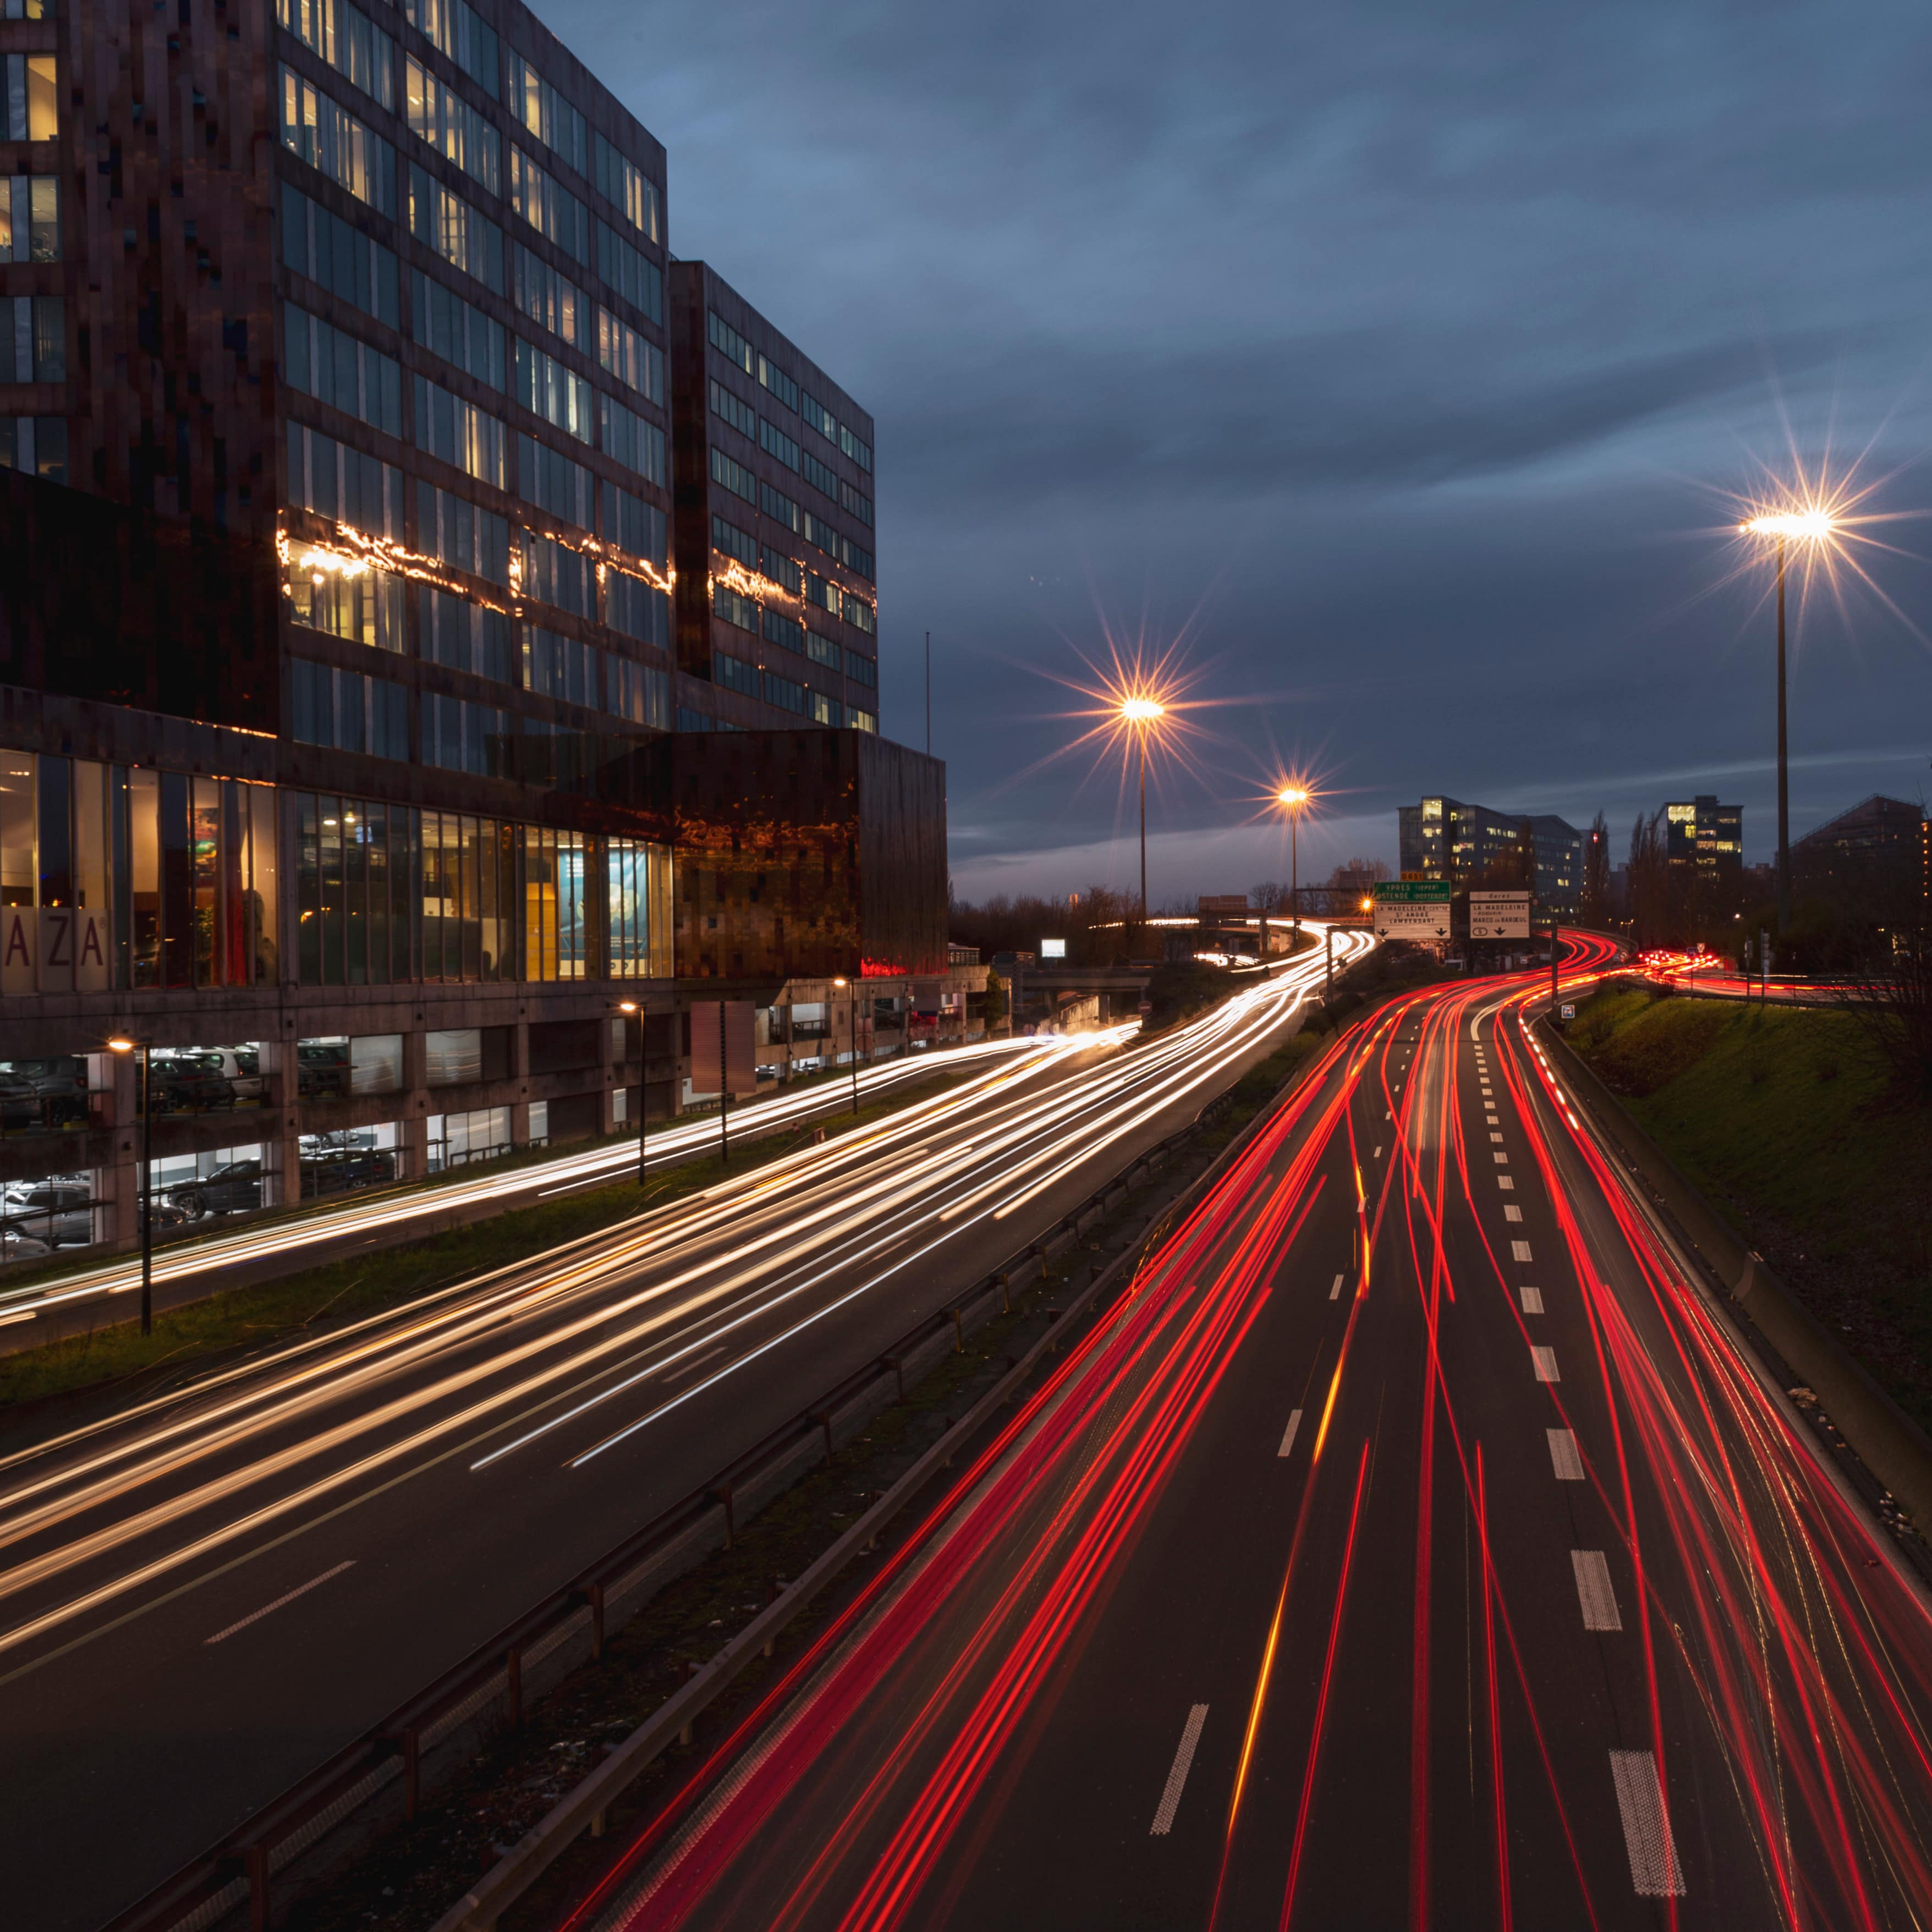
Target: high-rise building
[(1701, 832), (1871, 859), (1442, 837), (776, 607), (339, 677)]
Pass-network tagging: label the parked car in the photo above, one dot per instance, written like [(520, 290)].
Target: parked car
[(233, 1188), (187, 1084), (59, 1213), (17, 1245), (322, 1072), (240, 1066), (341, 1171), (58, 1085), (21, 1109)]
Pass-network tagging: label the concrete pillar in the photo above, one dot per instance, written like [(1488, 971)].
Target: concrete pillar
[(413, 1131), (117, 1186)]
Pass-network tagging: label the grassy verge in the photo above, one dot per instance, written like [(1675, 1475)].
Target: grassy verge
[(117, 1362), (1789, 1123)]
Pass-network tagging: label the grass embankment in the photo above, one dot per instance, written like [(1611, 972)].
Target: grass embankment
[(1789, 1121), (116, 1362)]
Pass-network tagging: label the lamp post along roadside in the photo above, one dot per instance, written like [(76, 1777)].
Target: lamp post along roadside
[(852, 1018), (1293, 799), (1810, 525), (147, 1189), (643, 1086), (1140, 715)]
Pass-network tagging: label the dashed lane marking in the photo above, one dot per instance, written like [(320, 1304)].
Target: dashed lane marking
[(1176, 1775), (1519, 1251), (1544, 1361), (1335, 1293), (1288, 1435), (1511, 1212), (1594, 1591), (1532, 1300), (1654, 1871), (1565, 1458), (289, 1597)]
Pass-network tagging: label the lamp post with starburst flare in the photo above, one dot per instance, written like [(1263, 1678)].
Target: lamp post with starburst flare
[(1293, 799), (1141, 714), (1809, 524)]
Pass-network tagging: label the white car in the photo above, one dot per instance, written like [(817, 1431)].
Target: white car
[(16, 1246)]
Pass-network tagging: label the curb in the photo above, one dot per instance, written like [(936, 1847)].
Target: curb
[(1892, 1446)]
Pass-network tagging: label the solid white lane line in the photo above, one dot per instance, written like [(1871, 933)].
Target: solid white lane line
[(1519, 1251), (1545, 1362), (1532, 1300), (1594, 1591), (300, 1590), (1335, 1293), (1511, 1212), (1654, 1871), (1565, 1458), (1176, 1775), (1288, 1440), (695, 1363)]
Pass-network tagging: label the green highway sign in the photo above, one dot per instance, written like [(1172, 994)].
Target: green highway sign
[(1412, 909)]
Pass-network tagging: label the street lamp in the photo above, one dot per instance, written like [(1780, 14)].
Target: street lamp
[(1292, 798), (643, 1084), (1808, 525), (852, 1012), (1140, 715), (140, 1046)]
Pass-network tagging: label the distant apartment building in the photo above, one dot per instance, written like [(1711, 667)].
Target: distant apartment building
[(1443, 838), (1874, 855), (362, 688), (1701, 832)]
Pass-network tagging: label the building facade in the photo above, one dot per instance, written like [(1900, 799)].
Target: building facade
[(1701, 833), (343, 643), (1443, 838), (1873, 858)]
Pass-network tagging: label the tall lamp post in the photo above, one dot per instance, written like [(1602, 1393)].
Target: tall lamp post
[(1140, 715), (140, 1046), (1811, 526), (643, 1085), (852, 991), (1292, 799)]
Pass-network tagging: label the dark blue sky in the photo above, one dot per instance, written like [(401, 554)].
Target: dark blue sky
[(1405, 353)]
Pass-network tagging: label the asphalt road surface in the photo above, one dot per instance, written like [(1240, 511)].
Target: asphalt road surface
[(204, 1599), (1414, 1545)]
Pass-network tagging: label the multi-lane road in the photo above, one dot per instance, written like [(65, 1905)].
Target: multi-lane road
[(204, 1598), (1414, 1545)]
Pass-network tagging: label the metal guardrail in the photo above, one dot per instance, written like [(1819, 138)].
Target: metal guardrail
[(384, 1774)]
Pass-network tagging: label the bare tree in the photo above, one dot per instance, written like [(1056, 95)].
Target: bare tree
[(1596, 873), (1894, 1005)]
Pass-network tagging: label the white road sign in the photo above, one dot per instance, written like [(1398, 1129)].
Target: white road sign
[(1499, 915)]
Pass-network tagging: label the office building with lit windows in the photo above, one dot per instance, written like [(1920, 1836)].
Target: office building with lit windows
[(343, 642), (1442, 837), (1701, 832)]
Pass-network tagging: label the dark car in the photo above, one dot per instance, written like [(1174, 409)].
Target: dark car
[(21, 1108), (339, 1171), (59, 1213), (233, 1188), (322, 1072), (190, 1084), (58, 1087)]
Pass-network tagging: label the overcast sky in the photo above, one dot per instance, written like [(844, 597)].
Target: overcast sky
[(1402, 360)]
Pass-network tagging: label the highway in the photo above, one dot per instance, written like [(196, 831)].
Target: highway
[(1414, 1546), (206, 1597)]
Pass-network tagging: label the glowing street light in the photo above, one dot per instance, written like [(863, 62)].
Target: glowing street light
[(853, 1015), (1809, 523), (1140, 715)]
